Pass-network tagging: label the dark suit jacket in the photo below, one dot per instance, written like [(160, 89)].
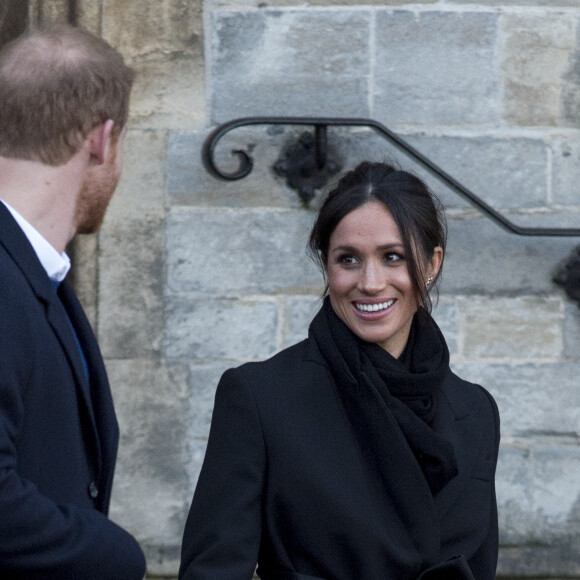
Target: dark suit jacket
[(58, 433), (286, 483)]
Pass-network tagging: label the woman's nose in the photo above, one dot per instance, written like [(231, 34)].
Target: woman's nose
[(372, 280)]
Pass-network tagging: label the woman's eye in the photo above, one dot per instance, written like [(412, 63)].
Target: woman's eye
[(394, 257), (347, 259)]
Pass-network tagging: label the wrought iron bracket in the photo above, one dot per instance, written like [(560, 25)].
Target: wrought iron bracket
[(307, 168)]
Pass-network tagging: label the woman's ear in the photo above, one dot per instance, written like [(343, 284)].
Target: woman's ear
[(435, 262)]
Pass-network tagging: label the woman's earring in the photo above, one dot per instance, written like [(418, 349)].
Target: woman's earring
[(429, 281)]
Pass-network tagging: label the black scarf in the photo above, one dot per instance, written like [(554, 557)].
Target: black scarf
[(408, 386)]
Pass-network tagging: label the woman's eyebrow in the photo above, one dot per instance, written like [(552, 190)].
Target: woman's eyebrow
[(384, 247)]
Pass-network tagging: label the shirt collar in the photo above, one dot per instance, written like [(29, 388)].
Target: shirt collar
[(56, 265)]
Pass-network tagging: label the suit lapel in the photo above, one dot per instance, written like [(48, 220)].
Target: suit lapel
[(19, 248)]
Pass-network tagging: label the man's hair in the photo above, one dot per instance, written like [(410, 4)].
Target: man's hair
[(56, 86)]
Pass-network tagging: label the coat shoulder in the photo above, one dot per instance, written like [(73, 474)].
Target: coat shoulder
[(467, 398), (296, 368)]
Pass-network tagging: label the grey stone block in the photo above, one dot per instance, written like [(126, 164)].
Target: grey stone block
[(221, 253), (153, 454), (538, 492), (203, 381), (572, 331), (131, 288), (298, 314), (539, 562), (435, 67), (538, 495), (295, 62), (445, 315), (235, 330), (566, 172), (191, 184), (141, 190), (503, 172), (533, 399), (483, 258), (536, 51), (524, 328)]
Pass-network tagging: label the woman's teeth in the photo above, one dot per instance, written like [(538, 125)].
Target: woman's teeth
[(374, 307)]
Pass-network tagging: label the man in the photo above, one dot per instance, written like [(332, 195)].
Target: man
[(64, 97)]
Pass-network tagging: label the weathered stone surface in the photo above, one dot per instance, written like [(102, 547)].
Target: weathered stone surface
[(298, 314), (539, 494), (536, 53), (163, 41), (191, 184), (89, 14), (152, 483), (482, 258), (202, 381), (570, 86), (14, 18), (528, 328), (285, 63), (131, 287), (490, 167), (138, 29), (140, 192), (418, 79), (244, 4), (445, 315), (168, 94), (538, 500), (49, 12), (221, 329), (548, 4), (572, 331), (533, 399), (566, 171), (221, 253), (84, 273)]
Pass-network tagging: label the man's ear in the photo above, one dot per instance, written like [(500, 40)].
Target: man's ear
[(100, 141)]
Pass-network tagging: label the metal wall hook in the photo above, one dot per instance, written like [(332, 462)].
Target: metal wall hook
[(305, 165)]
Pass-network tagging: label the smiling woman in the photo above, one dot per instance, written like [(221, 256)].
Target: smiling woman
[(356, 453)]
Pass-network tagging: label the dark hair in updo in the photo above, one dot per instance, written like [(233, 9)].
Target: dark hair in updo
[(415, 209)]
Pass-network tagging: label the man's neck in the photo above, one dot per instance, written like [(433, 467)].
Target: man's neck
[(44, 195)]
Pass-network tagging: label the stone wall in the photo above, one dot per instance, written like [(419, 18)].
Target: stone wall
[(191, 275)]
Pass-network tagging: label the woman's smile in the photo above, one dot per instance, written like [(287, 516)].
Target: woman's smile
[(377, 307)]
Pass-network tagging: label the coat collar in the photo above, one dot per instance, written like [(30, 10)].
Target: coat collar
[(13, 239)]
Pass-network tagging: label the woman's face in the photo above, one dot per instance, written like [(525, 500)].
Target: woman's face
[(369, 284)]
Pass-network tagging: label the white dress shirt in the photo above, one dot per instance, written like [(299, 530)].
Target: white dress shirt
[(56, 265)]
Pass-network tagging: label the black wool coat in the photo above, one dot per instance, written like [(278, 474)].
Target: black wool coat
[(58, 432), (287, 484)]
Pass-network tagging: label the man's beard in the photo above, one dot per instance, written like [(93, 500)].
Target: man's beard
[(94, 198)]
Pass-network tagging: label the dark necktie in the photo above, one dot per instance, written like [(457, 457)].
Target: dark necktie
[(55, 285)]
